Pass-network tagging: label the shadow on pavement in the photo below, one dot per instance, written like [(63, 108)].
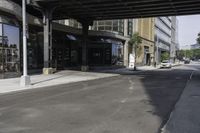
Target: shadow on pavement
[(132, 103)]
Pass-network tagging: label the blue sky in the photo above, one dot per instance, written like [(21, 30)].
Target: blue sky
[(189, 27)]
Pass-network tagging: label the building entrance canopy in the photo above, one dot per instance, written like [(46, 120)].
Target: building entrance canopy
[(114, 9)]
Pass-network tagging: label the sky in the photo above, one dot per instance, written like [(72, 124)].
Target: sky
[(189, 27)]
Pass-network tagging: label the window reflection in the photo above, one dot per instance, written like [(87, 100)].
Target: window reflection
[(117, 54), (9, 53), (110, 25), (1, 50)]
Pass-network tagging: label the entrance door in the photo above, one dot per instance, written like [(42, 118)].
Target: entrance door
[(96, 56), (148, 60), (74, 57), (59, 58), (146, 56)]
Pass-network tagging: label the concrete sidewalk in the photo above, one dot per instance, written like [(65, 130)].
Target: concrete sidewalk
[(139, 69), (63, 77), (67, 76), (124, 71), (185, 117)]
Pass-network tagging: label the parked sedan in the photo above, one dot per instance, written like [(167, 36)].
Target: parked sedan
[(187, 62), (166, 64)]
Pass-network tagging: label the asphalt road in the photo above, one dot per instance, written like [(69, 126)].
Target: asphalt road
[(139, 103)]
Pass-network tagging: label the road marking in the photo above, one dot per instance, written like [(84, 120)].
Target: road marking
[(191, 75), (124, 100), (131, 85)]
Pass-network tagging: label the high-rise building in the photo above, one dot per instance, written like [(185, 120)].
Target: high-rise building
[(174, 38), (165, 36)]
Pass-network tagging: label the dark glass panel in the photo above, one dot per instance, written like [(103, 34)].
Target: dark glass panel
[(10, 51)]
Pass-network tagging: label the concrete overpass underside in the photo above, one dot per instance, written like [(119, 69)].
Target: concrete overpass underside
[(114, 9)]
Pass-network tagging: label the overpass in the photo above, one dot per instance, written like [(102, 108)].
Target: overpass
[(113, 9), (86, 11)]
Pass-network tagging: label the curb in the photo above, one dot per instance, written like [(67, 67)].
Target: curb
[(163, 128)]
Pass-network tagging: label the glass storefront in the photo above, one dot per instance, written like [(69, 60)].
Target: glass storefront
[(35, 49), (9, 50), (117, 54), (1, 48), (66, 49), (110, 25)]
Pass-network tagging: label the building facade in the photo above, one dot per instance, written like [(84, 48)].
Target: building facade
[(103, 48), (163, 36), (145, 28), (166, 37), (126, 28), (107, 45), (174, 38)]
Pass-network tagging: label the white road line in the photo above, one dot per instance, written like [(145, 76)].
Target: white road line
[(124, 100), (191, 75)]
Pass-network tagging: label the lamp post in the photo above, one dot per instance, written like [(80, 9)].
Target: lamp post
[(25, 79), (157, 47)]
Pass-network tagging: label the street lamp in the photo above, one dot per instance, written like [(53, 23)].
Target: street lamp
[(25, 79)]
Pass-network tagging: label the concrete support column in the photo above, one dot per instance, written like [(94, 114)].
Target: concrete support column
[(85, 28), (126, 54), (47, 42), (125, 27), (25, 79)]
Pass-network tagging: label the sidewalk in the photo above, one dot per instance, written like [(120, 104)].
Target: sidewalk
[(63, 77), (124, 71), (67, 76), (185, 118)]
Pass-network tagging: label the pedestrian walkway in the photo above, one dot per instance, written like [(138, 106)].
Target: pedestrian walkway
[(125, 71), (185, 117), (65, 77), (40, 80)]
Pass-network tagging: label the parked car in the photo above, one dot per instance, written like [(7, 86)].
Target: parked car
[(187, 62), (166, 64)]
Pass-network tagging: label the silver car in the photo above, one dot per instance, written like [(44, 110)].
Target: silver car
[(166, 64)]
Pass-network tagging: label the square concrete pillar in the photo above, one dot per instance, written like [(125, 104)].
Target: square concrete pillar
[(126, 54), (47, 42), (85, 28)]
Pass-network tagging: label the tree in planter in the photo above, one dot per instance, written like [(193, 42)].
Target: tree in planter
[(134, 42), (180, 54), (164, 56)]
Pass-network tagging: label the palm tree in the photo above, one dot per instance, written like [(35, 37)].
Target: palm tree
[(134, 41)]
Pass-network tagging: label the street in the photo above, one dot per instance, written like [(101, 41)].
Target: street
[(135, 103)]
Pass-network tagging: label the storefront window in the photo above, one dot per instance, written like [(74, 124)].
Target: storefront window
[(9, 51), (117, 54), (11, 47), (1, 50), (0, 29)]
